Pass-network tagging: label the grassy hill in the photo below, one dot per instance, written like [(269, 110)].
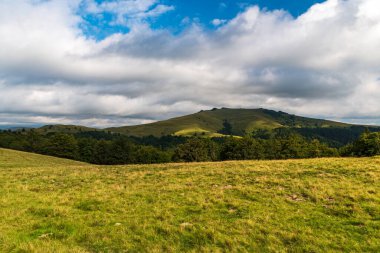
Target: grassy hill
[(320, 205), (225, 121), (210, 123)]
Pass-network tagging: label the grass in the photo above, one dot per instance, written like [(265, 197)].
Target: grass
[(189, 132), (196, 131), (319, 205)]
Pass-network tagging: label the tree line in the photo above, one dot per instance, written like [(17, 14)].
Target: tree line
[(112, 149)]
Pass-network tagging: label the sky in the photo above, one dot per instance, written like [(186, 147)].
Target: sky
[(125, 62)]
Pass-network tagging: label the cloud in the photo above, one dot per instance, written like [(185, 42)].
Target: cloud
[(127, 12), (218, 22), (323, 63)]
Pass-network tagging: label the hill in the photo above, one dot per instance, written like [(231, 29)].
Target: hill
[(218, 122), (226, 122), (18, 159), (69, 129), (319, 205)]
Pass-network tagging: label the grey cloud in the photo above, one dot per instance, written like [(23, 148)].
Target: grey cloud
[(301, 83), (323, 63)]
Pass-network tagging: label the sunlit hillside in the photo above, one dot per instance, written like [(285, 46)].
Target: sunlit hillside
[(241, 121)]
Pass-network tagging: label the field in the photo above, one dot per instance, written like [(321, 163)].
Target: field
[(319, 205)]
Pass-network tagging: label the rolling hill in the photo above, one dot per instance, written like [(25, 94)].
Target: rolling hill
[(213, 122)]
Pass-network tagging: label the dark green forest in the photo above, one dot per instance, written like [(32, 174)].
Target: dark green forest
[(107, 148)]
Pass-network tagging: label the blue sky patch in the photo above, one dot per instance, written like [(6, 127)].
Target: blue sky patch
[(209, 14)]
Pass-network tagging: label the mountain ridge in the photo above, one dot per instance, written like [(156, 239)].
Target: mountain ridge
[(259, 123), (212, 123)]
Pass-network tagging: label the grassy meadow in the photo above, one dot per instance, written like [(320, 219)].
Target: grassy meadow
[(319, 205)]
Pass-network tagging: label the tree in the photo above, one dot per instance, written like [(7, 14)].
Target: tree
[(197, 150), (62, 145), (252, 149), (231, 150), (149, 155), (242, 149), (227, 128), (86, 149), (318, 149), (293, 147), (102, 152), (368, 144), (122, 151), (36, 142)]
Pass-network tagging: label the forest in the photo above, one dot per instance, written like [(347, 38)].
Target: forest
[(113, 149)]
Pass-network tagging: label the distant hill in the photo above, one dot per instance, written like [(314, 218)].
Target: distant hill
[(225, 121), (69, 129)]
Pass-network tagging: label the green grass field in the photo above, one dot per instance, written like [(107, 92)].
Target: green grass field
[(321, 205)]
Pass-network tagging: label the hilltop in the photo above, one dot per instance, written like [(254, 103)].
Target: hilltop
[(318, 205), (217, 122)]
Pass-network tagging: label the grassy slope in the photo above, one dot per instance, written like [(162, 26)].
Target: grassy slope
[(242, 120), (321, 205)]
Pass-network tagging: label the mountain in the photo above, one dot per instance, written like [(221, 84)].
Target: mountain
[(225, 121)]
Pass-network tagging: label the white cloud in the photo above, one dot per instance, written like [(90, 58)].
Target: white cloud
[(128, 12), (218, 22), (323, 63), (223, 5)]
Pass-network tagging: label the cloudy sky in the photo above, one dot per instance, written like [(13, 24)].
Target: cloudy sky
[(123, 62)]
